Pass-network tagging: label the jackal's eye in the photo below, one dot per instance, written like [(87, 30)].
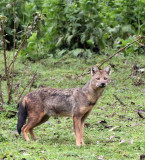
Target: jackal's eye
[(98, 78), (105, 78)]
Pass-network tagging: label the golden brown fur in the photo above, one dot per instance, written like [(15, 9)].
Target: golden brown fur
[(76, 102)]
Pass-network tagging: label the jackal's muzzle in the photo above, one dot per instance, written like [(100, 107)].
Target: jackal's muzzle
[(102, 85)]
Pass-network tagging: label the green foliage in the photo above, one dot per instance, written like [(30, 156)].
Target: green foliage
[(87, 25), (70, 26), (24, 11)]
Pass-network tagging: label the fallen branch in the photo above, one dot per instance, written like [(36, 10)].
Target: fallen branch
[(121, 49), (141, 44), (140, 112), (137, 42), (119, 100), (140, 115)]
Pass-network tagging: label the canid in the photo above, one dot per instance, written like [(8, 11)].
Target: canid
[(76, 102)]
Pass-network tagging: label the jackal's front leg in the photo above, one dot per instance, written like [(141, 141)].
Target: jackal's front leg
[(82, 125), (78, 130), (82, 132)]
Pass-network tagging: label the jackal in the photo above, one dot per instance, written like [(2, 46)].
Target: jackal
[(75, 102)]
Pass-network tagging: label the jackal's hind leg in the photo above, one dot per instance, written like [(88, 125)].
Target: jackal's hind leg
[(32, 134), (25, 134), (33, 121), (29, 128), (44, 119)]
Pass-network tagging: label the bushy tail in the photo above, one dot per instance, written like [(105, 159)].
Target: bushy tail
[(22, 115)]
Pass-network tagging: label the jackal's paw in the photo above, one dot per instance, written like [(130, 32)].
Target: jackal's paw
[(80, 144), (27, 139)]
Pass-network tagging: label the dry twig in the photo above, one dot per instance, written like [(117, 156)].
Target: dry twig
[(14, 46), (140, 115), (33, 79), (119, 100), (5, 61), (30, 82), (121, 49), (1, 96)]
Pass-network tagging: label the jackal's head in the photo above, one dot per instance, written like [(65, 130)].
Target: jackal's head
[(100, 78)]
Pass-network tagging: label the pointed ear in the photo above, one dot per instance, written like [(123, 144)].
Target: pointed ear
[(94, 70), (108, 70)]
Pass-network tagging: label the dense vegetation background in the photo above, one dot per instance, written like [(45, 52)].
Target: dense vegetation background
[(78, 28), (54, 43)]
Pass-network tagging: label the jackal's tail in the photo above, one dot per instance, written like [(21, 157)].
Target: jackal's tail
[(22, 115)]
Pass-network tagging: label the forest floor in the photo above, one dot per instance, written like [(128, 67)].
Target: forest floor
[(115, 130)]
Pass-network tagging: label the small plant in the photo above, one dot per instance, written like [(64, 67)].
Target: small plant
[(9, 67)]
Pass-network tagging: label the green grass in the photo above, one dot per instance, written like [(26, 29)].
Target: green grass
[(121, 137)]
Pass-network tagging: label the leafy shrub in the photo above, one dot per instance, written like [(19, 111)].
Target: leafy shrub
[(24, 11), (81, 28), (73, 26)]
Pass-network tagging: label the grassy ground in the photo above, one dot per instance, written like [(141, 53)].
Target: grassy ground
[(113, 130)]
